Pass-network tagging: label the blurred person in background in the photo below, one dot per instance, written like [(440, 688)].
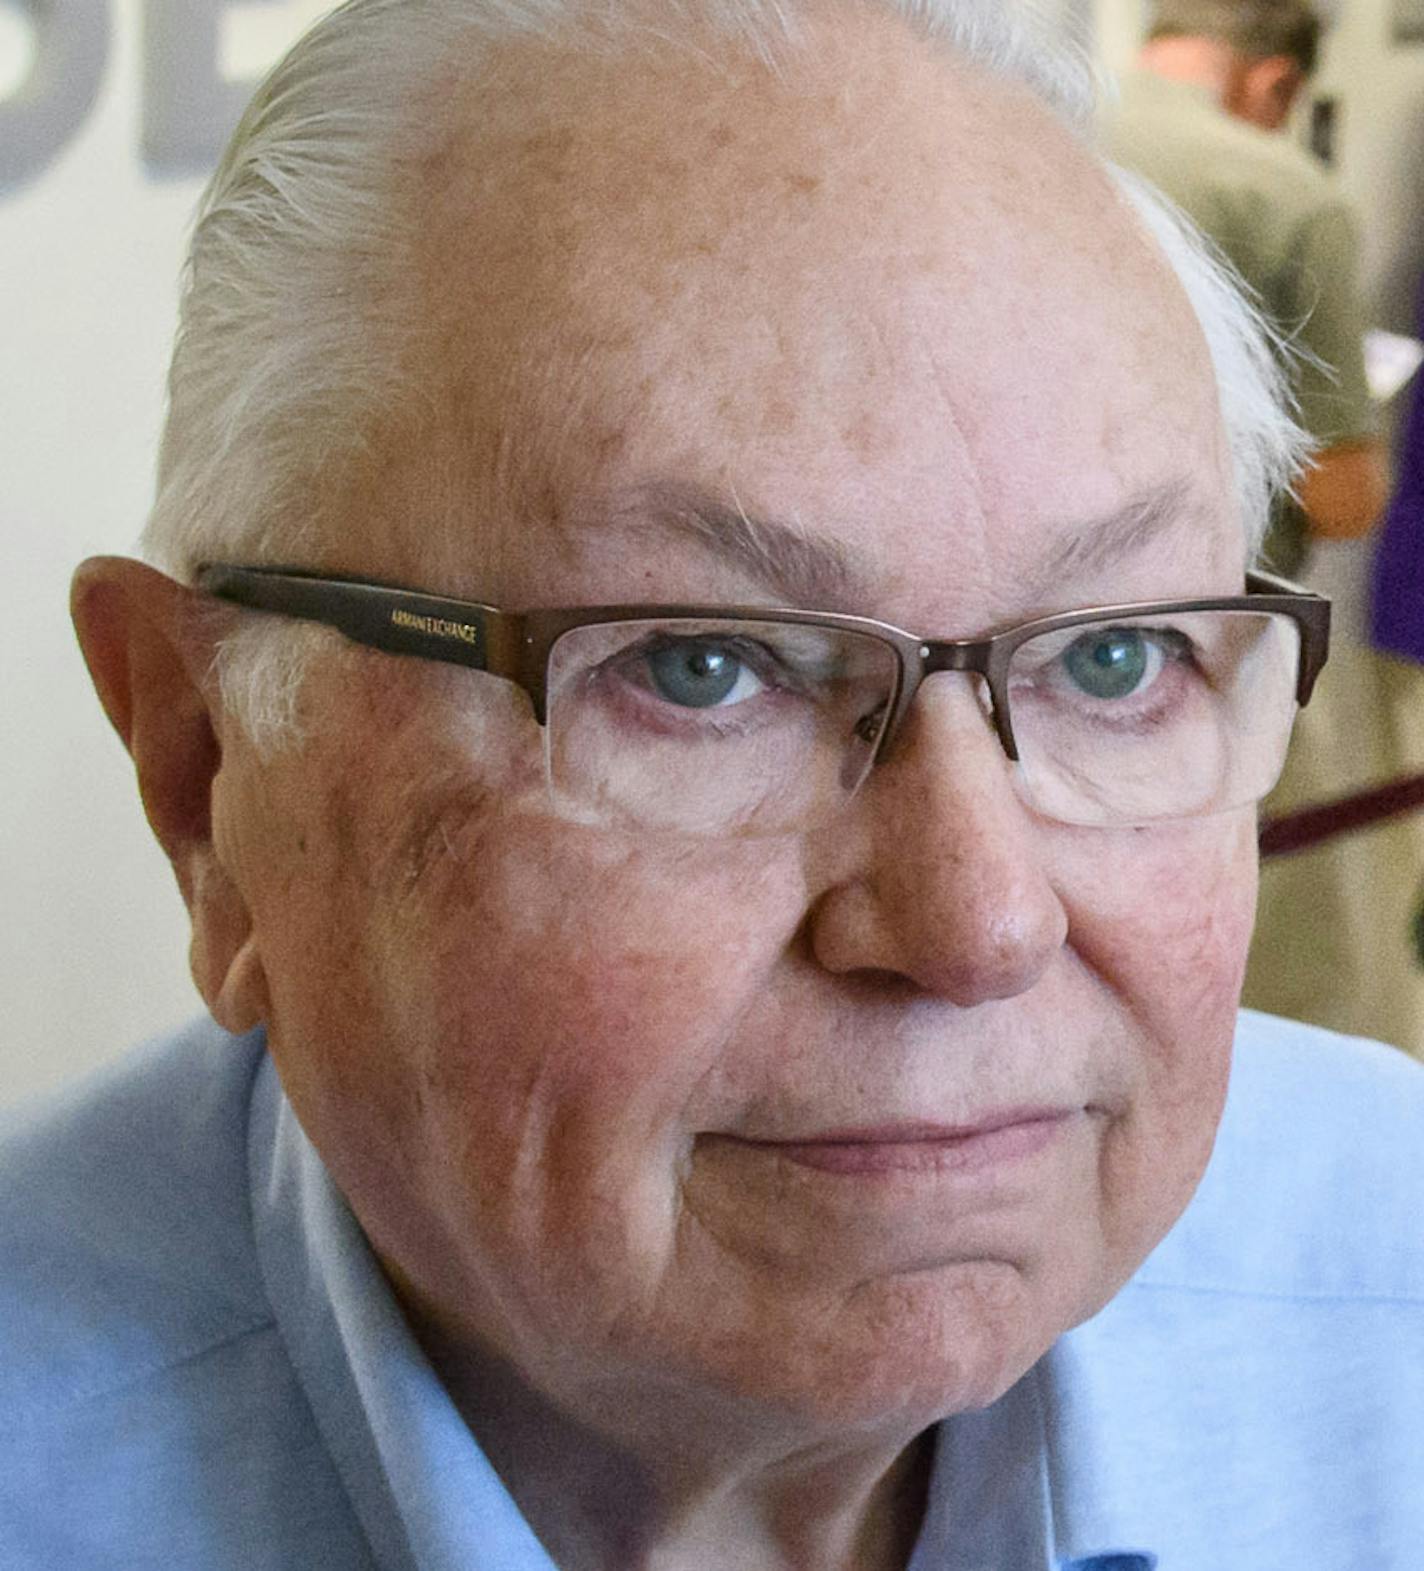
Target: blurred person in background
[(1204, 117), (1397, 608)]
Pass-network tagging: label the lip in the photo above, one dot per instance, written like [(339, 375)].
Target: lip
[(1000, 1138)]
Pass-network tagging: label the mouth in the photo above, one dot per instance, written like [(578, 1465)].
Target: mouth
[(999, 1139)]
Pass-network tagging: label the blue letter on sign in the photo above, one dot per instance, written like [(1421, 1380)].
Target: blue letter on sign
[(189, 106), (49, 106)]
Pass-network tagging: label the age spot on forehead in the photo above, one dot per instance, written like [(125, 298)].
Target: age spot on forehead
[(870, 438)]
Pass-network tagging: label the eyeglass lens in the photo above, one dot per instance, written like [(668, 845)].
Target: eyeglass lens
[(758, 728), (1166, 717), (750, 728)]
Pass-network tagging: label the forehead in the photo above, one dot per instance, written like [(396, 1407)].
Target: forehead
[(876, 293)]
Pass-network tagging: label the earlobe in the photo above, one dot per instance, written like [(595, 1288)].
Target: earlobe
[(150, 660), (223, 953)]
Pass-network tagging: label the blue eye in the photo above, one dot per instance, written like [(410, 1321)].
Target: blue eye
[(694, 674), (1112, 662)]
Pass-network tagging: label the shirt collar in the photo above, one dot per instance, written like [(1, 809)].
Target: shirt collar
[(1016, 1485), (1102, 1518), (427, 1498)]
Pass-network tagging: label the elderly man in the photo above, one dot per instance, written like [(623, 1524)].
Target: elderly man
[(707, 711)]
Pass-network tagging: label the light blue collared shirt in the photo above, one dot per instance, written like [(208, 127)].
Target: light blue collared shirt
[(202, 1367)]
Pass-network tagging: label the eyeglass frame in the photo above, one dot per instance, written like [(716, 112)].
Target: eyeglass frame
[(517, 645)]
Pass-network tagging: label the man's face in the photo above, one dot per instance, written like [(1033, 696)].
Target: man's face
[(662, 1121)]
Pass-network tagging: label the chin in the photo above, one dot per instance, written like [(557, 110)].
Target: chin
[(901, 1354)]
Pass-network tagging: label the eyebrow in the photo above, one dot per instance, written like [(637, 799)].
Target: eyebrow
[(802, 570), (1096, 543), (783, 558)]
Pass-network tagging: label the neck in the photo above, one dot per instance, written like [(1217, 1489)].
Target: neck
[(1203, 61), (608, 1490)]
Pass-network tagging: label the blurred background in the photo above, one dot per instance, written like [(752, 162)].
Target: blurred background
[(111, 114)]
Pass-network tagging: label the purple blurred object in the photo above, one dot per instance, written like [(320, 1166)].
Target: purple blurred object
[(1397, 587)]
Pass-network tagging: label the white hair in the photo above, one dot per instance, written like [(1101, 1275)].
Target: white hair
[(295, 346), (1250, 358)]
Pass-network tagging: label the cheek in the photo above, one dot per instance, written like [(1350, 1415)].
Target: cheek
[(531, 943), (1165, 915), (562, 1005), (1166, 930)]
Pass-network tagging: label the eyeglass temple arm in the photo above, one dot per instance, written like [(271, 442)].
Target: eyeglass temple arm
[(458, 632), (1312, 616)]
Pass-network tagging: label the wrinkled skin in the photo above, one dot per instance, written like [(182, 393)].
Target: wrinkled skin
[(900, 308)]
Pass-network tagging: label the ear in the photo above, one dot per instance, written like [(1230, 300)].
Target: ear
[(1274, 84), (150, 655)]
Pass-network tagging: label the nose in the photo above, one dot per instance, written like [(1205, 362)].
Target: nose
[(938, 873)]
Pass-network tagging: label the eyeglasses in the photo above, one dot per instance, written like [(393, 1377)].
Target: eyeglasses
[(734, 720)]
